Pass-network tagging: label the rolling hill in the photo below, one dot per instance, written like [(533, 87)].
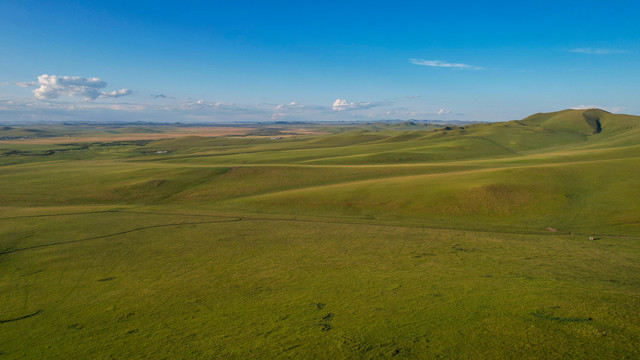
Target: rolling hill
[(506, 240)]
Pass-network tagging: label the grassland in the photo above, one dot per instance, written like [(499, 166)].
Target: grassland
[(371, 241)]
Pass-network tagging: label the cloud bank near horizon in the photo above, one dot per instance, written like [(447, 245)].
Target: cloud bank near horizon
[(54, 86), (201, 110)]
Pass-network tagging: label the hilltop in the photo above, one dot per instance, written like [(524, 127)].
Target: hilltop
[(590, 121)]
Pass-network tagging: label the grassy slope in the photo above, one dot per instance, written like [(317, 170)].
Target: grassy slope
[(516, 176), (362, 244)]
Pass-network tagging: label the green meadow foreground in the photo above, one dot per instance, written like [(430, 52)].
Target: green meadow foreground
[(506, 240)]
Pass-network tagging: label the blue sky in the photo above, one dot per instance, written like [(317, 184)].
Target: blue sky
[(300, 61)]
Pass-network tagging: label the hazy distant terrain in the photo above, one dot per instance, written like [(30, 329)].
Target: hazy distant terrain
[(518, 239)]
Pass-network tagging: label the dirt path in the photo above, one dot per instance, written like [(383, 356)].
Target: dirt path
[(229, 218), (114, 234)]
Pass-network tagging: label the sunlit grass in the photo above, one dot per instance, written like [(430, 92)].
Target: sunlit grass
[(489, 241)]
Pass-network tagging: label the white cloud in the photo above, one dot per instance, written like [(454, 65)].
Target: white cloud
[(342, 104), (115, 93), (54, 86), (210, 105), (289, 105), (443, 111), (605, 108), (26, 83), (592, 51), (283, 110), (444, 64)]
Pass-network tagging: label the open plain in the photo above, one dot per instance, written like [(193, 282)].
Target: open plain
[(501, 240)]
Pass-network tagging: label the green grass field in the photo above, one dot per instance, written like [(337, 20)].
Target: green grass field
[(369, 241)]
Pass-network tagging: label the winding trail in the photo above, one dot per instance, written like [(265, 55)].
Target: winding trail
[(115, 234), (229, 218), (21, 317)]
